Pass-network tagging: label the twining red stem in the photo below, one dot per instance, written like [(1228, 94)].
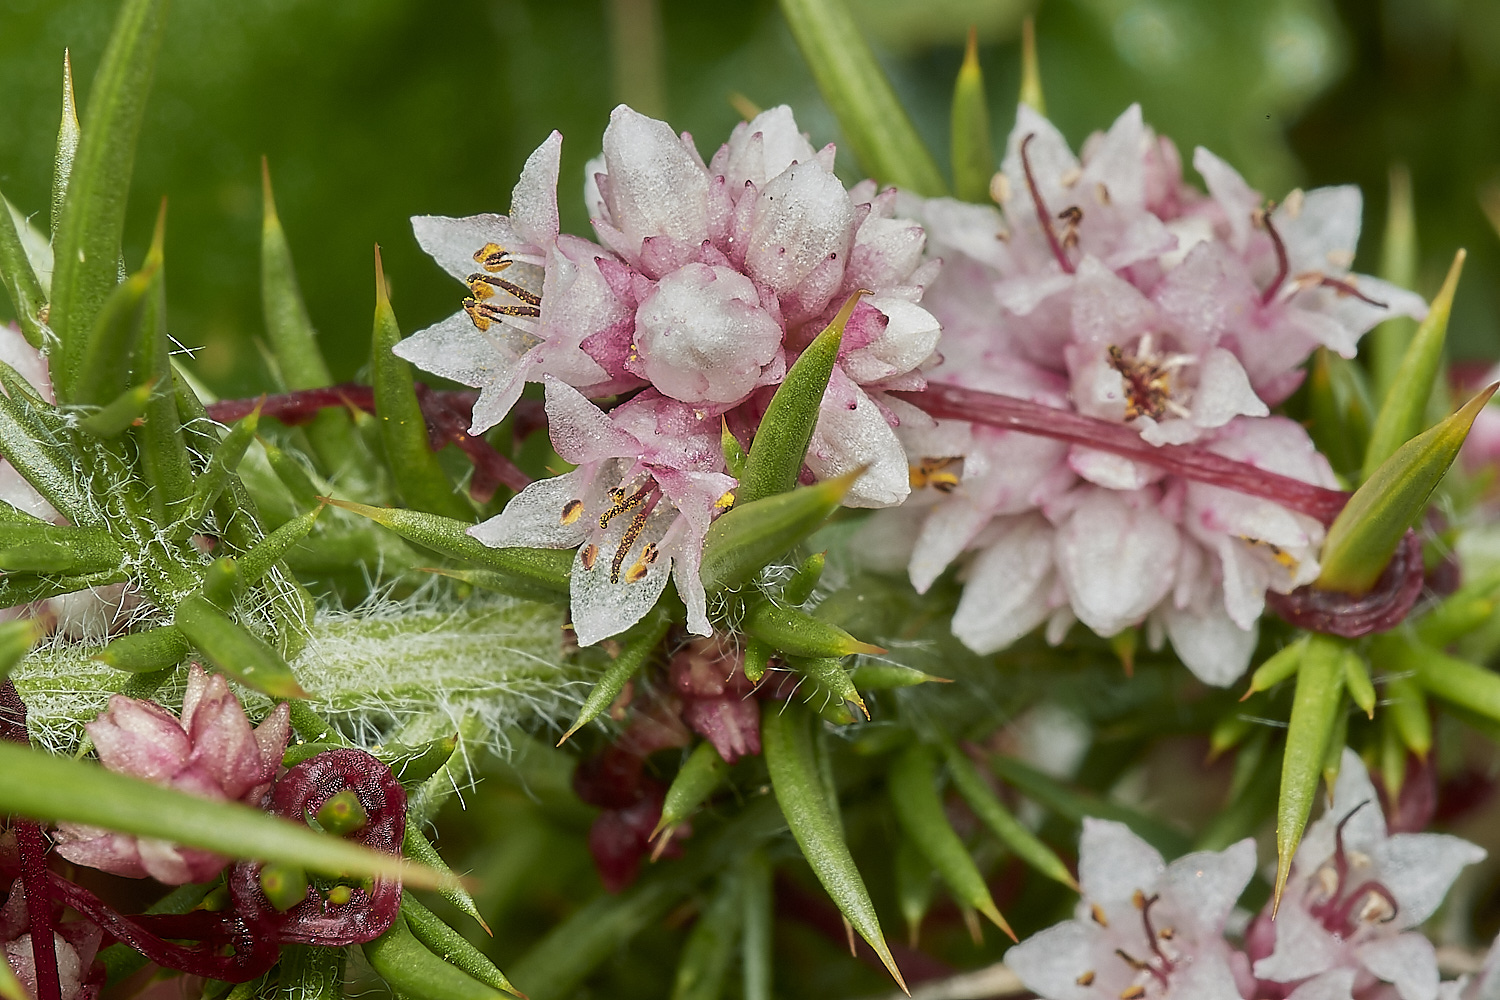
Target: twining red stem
[(1043, 215), (951, 402), (448, 414)]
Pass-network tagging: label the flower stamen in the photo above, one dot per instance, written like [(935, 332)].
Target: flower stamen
[(1262, 217), (494, 259), (939, 473), (632, 535), (1043, 216)]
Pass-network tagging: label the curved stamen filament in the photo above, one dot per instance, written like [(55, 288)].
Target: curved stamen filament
[(494, 281), (1347, 288), (632, 535), (1043, 216), (1282, 264), (622, 503)]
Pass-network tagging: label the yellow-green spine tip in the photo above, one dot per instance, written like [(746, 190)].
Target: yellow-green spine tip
[(1031, 72)]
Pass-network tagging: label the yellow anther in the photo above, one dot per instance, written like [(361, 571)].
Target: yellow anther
[(725, 502), (572, 511), (492, 257), (1097, 912), (1133, 992), (1087, 979), (590, 555)]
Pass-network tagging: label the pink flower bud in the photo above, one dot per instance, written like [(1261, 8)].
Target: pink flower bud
[(211, 752)]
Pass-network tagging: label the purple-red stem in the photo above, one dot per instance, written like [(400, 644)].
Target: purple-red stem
[(32, 844), (951, 402), (448, 414)]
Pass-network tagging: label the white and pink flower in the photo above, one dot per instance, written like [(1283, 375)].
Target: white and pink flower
[(210, 751)]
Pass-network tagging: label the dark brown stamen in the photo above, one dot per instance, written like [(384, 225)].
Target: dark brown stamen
[(632, 534), (1282, 265), (1043, 216), (524, 294), (1347, 288), (622, 503)]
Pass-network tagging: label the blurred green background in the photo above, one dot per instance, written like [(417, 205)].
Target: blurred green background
[(375, 111)]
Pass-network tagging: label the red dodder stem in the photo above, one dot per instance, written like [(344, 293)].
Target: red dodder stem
[(951, 402), (447, 413), (33, 851)]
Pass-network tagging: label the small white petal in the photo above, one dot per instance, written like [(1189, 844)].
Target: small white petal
[(802, 218), (1050, 963), (1328, 220), (1227, 187), (1113, 862), (1115, 559), (453, 243), (911, 335), (1335, 984), (1407, 961), (1419, 868), (533, 203), (490, 361), (847, 437), (1208, 883), (1006, 594), (1211, 645), (580, 431), (1303, 947), (539, 516), (656, 188), (765, 146), (1223, 391)]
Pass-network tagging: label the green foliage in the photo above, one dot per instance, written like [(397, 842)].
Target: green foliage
[(787, 743), (39, 785), (92, 223), (1317, 706), (1366, 532), (874, 122)]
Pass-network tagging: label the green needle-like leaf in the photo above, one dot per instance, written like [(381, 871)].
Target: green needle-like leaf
[(639, 643), (756, 962), (62, 789), (702, 773), (443, 940), (545, 569), (912, 783), (915, 880), (993, 814), (411, 969), (827, 685), (25, 439), (16, 639), (1315, 710), (294, 342), (1403, 409), (798, 633), (1357, 681), (154, 649), (235, 651), (742, 542), (420, 480), (1462, 684), (1407, 704), (1339, 408), (1366, 532), (879, 133), (1280, 666), (68, 135), (1388, 342), (780, 444), (788, 747), (704, 961), (973, 156), (104, 371), (113, 420), (165, 465), (1031, 69), (87, 241), (802, 584), (20, 281)]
